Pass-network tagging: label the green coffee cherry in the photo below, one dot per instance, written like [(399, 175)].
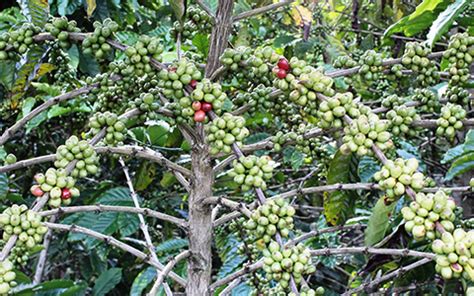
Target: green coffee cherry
[(392, 101), (365, 131), (10, 158), (401, 118), (344, 61), (396, 175), (140, 54), (450, 120), (96, 44), (332, 111), (179, 75), (453, 254), (459, 55), (252, 171), (116, 129), (7, 277), (370, 65), (60, 29), (19, 220), (82, 153), (415, 58), (428, 100), (224, 131), (428, 209)]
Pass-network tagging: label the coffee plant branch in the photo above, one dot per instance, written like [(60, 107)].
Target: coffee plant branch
[(261, 10), (395, 273), (116, 243), (123, 209), (143, 225), (164, 273), (43, 254)]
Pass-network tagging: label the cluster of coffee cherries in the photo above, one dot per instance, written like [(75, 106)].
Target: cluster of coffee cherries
[(450, 120), (306, 291), (178, 76), (7, 277), (140, 54), (395, 176), (344, 61), (415, 58), (370, 65), (401, 117), (282, 264), (393, 100), (96, 44), (331, 112), (115, 127), (365, 131), (20, 39), (207, 96), (236, 58), (225, 131), (148, 103), (261, 62), (425, 211), (258, 99), (60, 29), (428, 100), (59, 185), (282, 68), (457, 95), (268, 219), (198, 21), (19, 220), (454, 255), (252, 171), (80, 151), (459, 54)]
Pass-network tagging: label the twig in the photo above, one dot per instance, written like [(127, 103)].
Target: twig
[(207, 9), (43, 254), (245, 270), (103, 208), (261, 10), (116, 243), (378, 281), (143, 225), (168, 267), (369, 250), (236, 206), (230, 287), (314, 233)]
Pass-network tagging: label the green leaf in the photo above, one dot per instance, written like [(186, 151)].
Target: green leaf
[(379, 222), (444, 21), (141, 282), (158, 134), (167, 180), (28, 104), (36, 121), (461, 165), (107, 281), (57, 110), (178, 7), (7, 74), (50, 288), (368, 166), (419, 20), (174, 244), (201, 42), (339, 205), (38, 11), (460, 149), (3, 186), (145, 175)]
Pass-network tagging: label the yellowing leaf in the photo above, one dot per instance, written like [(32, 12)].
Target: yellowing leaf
[(301, 15), (91, 6), (44, 69)]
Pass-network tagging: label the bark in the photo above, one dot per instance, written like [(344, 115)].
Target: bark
[(200, 222), (220, 35)]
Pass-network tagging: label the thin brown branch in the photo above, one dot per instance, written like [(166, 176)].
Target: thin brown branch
[(369, 250), (43, 254), (114, 242), (241, 272), (168, 267), (236, 206), (370, 285), (104, 208), (261, 10), (314, 233)]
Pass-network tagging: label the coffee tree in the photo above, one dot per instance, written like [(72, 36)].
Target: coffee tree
[(257, 159)]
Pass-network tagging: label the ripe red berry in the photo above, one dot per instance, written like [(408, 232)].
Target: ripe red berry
[(283, 64), (281, 74), (193, 83), (66, 193), (199, 116), (206, 107), (36, 191), (196, 105)]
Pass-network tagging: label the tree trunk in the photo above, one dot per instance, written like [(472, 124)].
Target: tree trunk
[(220, 35), (200, 221)]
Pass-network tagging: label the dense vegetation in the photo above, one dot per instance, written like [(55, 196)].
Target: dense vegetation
[(225, 147)]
